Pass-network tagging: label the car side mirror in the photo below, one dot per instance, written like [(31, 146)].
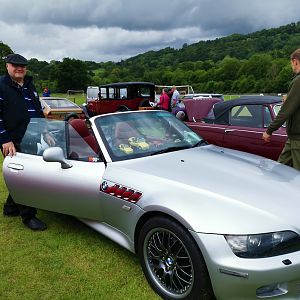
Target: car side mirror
[(56, 154)]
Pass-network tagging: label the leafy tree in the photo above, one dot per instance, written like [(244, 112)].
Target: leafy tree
[(70, 74), (257, 66), (4, 51), (228, 68)]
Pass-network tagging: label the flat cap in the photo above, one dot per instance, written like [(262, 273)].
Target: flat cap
[(16, 59)]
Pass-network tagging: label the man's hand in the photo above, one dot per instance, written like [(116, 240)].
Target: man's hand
[(9, 149), (49, 139), (266, 137)]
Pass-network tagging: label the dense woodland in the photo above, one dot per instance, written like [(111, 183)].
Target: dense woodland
[(253, 63)]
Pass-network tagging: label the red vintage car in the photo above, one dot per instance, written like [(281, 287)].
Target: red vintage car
[(239, 123), (121, 96)]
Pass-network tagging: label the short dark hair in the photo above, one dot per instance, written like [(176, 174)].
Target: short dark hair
[(296, 54)]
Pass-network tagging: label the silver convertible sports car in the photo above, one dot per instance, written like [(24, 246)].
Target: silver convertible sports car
[(207, 222)]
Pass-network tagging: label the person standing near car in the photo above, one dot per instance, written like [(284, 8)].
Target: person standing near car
[(164, 100), (175, 97), (46, 92), (19, 102), (289, 113)]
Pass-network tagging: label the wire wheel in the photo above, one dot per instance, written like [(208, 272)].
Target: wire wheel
[(168, 262)]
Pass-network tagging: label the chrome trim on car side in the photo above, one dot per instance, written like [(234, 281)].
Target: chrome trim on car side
[(204, 126), (229, 130), (243, 130)]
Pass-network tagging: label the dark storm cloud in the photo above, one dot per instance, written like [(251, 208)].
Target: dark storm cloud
[(224, 16), (117, 29)]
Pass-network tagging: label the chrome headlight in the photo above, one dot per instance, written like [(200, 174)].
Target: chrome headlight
[(264, 245)]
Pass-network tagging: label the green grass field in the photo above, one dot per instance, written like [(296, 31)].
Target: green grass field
[(67, 261), (77, 98)]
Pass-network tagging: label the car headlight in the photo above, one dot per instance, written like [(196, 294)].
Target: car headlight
[(264, 245)]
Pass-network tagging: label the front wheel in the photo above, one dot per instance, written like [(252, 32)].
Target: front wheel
[(172, 262)]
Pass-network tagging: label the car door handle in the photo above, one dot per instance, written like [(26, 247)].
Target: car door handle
[(229, 130), (16, 167)]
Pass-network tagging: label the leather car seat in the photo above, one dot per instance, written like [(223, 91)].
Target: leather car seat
[(123, 131), (81, 128)]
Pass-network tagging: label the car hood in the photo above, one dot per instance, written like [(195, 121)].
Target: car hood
[(215, 190)]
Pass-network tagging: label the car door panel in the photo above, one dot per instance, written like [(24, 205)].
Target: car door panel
[(250, 140), (244, 139), (34, 182), (212, 133)]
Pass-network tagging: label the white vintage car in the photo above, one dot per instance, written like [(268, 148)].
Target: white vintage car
[(206, 222)]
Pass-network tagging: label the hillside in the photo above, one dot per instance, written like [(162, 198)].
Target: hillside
[(257, 62), (278, 42)]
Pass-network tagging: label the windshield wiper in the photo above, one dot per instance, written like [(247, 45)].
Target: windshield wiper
[(200, 143), (170, 149)]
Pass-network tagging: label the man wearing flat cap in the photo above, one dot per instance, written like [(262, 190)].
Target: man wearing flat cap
[(19, 101)]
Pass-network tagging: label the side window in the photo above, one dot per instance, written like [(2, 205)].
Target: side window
[(144, 91), (123, 93), (111, 93), (267, 116), (33, 141), (83, 145), (246, 116), (102, 93)]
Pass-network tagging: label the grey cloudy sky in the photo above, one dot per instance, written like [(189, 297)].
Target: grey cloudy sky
[(102, 30)]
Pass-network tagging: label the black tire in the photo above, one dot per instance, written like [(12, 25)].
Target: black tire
[(172, 262)]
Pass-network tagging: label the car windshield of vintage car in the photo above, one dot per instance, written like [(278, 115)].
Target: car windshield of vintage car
[(138, 134), (60, 103)]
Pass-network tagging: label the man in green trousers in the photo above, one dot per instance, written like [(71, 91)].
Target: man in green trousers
[(289, 113)]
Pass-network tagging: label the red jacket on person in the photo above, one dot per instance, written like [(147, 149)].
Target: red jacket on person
[(164, 102)]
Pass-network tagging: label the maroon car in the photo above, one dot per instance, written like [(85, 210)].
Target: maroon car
[(239, 124), (121, 96)]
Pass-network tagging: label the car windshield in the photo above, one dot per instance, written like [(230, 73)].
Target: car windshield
[(60, 103), (139, 134)]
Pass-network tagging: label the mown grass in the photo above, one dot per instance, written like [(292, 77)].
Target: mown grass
[(67, 261), (77, 98)]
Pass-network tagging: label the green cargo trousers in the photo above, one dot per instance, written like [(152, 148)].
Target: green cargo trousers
[(290, 154)]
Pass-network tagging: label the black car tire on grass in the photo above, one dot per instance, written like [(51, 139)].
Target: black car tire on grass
[(172, 262)]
